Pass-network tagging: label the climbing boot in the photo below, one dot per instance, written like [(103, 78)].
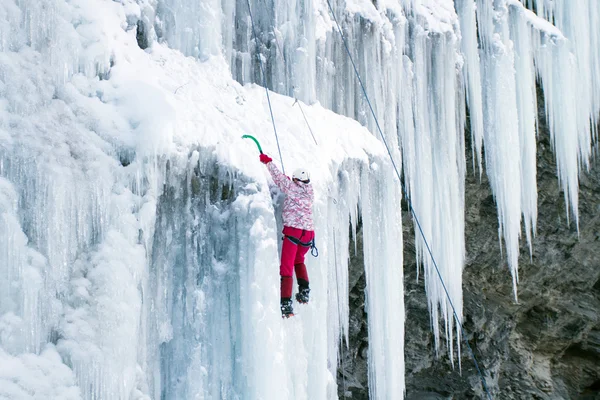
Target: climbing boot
[(303, 294), (286, 308)]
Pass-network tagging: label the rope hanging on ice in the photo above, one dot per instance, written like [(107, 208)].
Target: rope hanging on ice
[(409, 202), (262, 69), (307, 124)]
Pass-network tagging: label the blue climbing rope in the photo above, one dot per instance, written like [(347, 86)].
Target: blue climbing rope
[(262, 70), (412, 210)]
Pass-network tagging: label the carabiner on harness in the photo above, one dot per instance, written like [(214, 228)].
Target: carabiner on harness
[(313, 249)]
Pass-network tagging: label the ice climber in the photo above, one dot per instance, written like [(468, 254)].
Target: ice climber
[(298, 232)]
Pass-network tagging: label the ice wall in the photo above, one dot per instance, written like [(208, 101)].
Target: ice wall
[(493, 53), (214, 329), (208, 333), (139, 259), (305, 58)]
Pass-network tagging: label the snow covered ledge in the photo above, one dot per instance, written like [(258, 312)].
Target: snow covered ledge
[(148, 225)]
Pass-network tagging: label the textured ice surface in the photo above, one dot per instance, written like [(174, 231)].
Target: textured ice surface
[(140, 238)]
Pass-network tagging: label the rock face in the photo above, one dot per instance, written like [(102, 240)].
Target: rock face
[(546, 346)]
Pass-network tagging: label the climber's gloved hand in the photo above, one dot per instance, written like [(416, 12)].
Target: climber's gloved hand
[(265, 159)]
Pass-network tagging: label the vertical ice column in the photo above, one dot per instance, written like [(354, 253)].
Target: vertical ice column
[(189, 282), (555, 67), (471, 73), (215, 327), (433, 154), (543, 8), (228, 28), (379, 56), (579, 23), (193, 27), (501, 127), (382, 239), (271, 354), (293, 34), (521, 35), (325, 319), (102, 332), (336, 212), (248, 51), (25, 307), (376, 40)]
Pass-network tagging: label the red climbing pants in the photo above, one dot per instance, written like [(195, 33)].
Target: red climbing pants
[(292, 258)]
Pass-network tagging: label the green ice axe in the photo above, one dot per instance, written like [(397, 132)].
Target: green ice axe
[(255, 141)]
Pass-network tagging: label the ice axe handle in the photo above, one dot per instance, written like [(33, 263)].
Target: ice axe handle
[(255, 141)]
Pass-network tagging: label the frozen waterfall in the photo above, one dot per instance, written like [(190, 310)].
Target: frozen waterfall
[(140, 234)]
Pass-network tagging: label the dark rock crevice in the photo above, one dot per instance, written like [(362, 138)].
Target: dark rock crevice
[(141, 35)]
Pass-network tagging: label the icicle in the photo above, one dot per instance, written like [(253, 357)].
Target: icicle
[(526, 98), (570, 74), (472, 75), (382, 229), (501, 125), (195, 28), (25, 308), (433, 153)]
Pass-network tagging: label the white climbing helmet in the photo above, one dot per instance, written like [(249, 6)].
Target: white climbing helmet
[(302, 175)]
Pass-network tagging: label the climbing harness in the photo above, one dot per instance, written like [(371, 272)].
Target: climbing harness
[(412, 210), (262, 69), (313, 248)]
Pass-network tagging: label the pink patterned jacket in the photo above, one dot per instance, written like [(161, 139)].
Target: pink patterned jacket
[(299, 197)]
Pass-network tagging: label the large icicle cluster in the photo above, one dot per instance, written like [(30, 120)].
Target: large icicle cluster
[(566, 66), (567, 58), (433, 147), (501, 124)]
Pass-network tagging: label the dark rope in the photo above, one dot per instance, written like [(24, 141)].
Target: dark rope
[(307, 124), (412, 210)]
